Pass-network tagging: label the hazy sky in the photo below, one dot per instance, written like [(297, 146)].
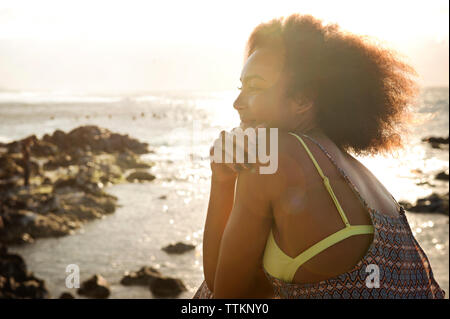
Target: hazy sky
[(103, 46)]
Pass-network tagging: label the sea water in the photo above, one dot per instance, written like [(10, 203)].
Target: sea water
[(180, 127)]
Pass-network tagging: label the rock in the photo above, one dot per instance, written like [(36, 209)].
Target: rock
[(25, 239), (166, 287), (9, 167), (13, 202), (23, 226), (95, 287), (178, 248), (80, 213), (96, 139), (43, 149), (436, 140), (141, 277), (104, 205), (434, 203), (7, 185), (140, 176), (443, 176), (25, 218), (66, 295), (31, 289), (162, 197), (128, 160), (61, 160), (435, 145), (101, 139), (3, 249), (84, 161), (59, 138), (72, 184), (34, 166), (16, 281), (14, 147), (13, 266)]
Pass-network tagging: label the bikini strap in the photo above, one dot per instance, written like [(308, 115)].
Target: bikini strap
[(353, 187), (326, 181)]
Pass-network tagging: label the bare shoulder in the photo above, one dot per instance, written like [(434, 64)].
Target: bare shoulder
[(290, 154), (285, 169), (285, 154)]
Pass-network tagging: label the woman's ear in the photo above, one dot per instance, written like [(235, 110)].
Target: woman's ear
[(300, 106)]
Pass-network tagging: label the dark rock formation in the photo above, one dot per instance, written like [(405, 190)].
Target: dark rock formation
[(433, 139), (95, 287), (434, 203), (128, 160), (141, 277), (443, 176), (436, 141), (95, 139), (166, 287), (37, 215), (83, 161), (56, 203), (44, 149), (178, 248), (159, 285), (16, 281), (140, 176), (66, 295)]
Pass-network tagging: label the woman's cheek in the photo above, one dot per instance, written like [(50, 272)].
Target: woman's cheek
[(257, 106)]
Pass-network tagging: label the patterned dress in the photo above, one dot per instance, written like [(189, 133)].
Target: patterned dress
[(404, 271)]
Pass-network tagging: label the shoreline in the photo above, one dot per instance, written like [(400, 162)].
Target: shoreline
[(72, 186), (66, 174)]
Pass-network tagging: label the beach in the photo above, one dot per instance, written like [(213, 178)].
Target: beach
[(179, 128)]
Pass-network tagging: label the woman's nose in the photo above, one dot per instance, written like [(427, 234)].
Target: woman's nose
[(239, 104)]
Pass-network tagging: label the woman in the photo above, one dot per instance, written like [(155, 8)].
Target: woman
[(322, 225)]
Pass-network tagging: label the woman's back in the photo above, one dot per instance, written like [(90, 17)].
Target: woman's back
[(305, 214)]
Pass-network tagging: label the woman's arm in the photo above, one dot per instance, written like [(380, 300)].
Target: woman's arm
[(239, 272), (219, 209), (221, 201)]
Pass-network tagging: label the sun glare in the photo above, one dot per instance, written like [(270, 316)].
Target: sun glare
[(140, 20)]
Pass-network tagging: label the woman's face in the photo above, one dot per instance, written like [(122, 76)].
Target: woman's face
[(262, 98)]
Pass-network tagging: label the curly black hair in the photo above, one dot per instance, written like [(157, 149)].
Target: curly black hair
[(361, 92)]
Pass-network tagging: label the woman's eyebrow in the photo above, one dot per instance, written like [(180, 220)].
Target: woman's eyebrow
[(249, 77)]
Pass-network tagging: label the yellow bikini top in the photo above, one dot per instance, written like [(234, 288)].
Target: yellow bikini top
[(280, 265)]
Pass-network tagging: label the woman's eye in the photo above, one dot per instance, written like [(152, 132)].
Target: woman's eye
[(249, 88)]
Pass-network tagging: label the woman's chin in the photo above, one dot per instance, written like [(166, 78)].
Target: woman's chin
[(247, 124)]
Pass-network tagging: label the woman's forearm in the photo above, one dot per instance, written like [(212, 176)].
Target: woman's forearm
[(220, 205)]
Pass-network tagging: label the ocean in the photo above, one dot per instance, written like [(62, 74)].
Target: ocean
[(180, 127)]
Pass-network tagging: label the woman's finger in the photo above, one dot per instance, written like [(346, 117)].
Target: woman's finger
[(245, 145)]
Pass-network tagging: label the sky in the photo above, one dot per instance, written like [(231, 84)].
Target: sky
[(132, 46)]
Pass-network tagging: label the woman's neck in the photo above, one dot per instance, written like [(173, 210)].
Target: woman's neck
[(318, 135), (313, 131)]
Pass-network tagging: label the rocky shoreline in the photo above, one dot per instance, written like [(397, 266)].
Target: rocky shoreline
[(67, 173), (50, 187), (67, 176), (434, 203)]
